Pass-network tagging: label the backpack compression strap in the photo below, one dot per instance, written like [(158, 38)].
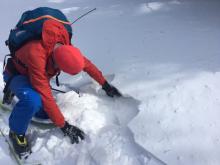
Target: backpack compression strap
[(43, 17)]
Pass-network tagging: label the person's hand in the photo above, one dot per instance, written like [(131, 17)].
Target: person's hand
[(73, 132), (111, 90)]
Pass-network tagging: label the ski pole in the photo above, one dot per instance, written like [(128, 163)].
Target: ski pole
[(61, 91), (57, 90), (83, 16)]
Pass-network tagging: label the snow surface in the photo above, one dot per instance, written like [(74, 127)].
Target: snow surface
[(165, 55)]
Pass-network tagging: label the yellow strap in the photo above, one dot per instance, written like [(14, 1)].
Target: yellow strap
[(21, 143), (45, 16)]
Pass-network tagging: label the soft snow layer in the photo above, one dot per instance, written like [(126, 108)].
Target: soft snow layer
[(179, 123)]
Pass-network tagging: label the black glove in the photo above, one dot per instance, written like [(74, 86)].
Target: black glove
[(111, 90), (73, 132)]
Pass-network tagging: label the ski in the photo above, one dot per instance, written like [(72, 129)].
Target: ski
[(41, 123)]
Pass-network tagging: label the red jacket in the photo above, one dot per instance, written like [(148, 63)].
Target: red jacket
[(37, 56)]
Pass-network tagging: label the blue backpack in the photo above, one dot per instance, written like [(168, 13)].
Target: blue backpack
[(29, 27)]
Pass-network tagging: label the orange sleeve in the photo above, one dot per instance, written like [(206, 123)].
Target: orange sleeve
[(93, 71), (38, 77)]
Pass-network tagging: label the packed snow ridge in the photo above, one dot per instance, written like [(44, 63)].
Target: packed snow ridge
[(109, 140)]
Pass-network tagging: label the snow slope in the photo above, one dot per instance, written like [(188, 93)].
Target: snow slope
[(165, 54)]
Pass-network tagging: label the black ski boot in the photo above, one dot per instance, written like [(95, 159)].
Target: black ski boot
[(8, 96), (20, 144)]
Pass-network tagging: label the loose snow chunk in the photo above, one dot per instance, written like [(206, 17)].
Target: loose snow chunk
[(93, 121), (52, 142), (46, 156), (116, 146), (38, 144)]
